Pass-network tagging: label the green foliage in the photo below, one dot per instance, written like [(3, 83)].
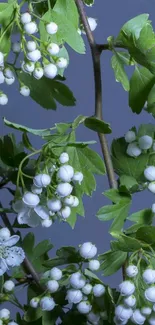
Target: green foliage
[(112, 261), (118, 60), (7, 12), (97, 125), (65, 255), (40, 132), (89, 2), (11, 154)]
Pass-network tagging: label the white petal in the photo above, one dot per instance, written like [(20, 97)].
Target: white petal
[(11, 241), (42, 212), (34, 219), (23, 216), (14, 256), (3, 266), (18, 206)]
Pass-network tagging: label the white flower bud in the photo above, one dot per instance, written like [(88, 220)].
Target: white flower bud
[(126, 288), (46, 223), (31, 28), (8, 285), (146, 311), (56, 274), (149, 173), (25, 91), (119, 322), (3, 99), (78, 177), (93, 318), (76, 202), (12, 323), (8, 73), (25, 18), (123, 313), (133, 150), (29, 67), (153, 207), (145, 142), (88, 250), (84, 307), (87, 289), (4, 233), (151, 320), (31, 46), (42, 212), (47, 303), (149, 276), (130, 136), (69, 200), (64, 157), (52, 286), (51, 28), (50, 71), (131, 271), (42, 180), (38, 73), (92, 23), (65, 173), (2, 79), (62, 63), (151, 187), (130, 301), (4, 314), (30, 199), (150, 294), (53, 48), (94, 265), (34, 302), (54, 205), (74, 296), (36, 190), (10, 81), (1, 59), (34, 56), (65, 212), (77, 280), (137, 317), (16, 47), (64, 189), (98, 290)]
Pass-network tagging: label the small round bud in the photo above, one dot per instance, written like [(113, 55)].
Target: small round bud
[(87, 289), (36, 190), (153, 207), (38, 73), (53, 48), (98, 290), (12, 323), (149, 173), (2, 79), (88, 250), (126, 288), (34, 302), (31, 28), (77, 280), (122, 313), (92, 23), (84, 307), (8, 286), (151, 320), (46, 223), (1, 59), (16, 47), (25, 91), (150, 294), (62, 63), (151, 187), (64, 189), (137, 317), (78, 177), (34, 56), (94, 265), (51, 28), (93, 318), (42, 212), (29, 67), (4, 314), (25, 18), (10, 81), (74, 296), (3, 99), (42, 180), (52, 286), (64, 158), (4, 234), (31, 46), (131, 271), (146, 311), (130, 301), (65, 212), (8, 73), (47, 303), (30, 199), (145, 142), (56, 274), (130, 136), (149, 276), (54, 205), (65, 173), (50, 71), (133, 150)]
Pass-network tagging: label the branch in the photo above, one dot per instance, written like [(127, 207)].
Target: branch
[(96, 53)]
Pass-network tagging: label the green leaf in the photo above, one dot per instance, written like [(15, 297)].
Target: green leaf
[(42, 248), (11, 154), (1, 283), (97, 125), (65, 255), (92, 276), (126, 244), (129, 183), (117, 62), (41, 132), (141, 84), (50, 317), (142, 217), (68, 9), (111, 261), (6, 17), (133, 27), (146, 129), (151, 102), (26, 142), (52, 90), (28, 244), (32, 314), (146, 234)]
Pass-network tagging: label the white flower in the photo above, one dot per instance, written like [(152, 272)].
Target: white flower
[(38, 73), (145, 142), (42, 180), (131, 271), (56, 274), (10, 256), (123, 313), (130, 301), (52, 286), (54, 205), (78, 177), (119, 322), (88, 250), (1, 59), (25, 91), (4, 314), (126, 288), (151, 187), (62, 63), (51, 28), (34, 302), (42, 212), (46, 223), (92, 23), (146, 311), (93, 318), (8, 286), (151, 320), (84, 307), (31, 28), (65, 173), (3, 99), (31, 46), (31, 199), (150, 294), (53, 48), (87, 289), (130, 136), (26, 215), (65, 212), (34, 56), (50, 70), (36, 190), (8, 73), (149, 173), (72, 201), (47, 303), (4, 234), (16, 47), (29, 67), (153, 207), (25, 18), (149, 276), (77, 280), (64, 189), (137, 317), (10, 81), (94, 265), (133, 150), (98, 290), (64, 157), (74, 296), (1, 77)]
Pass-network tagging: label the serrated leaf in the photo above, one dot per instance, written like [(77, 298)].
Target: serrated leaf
[(28, 244), (142, 217), (151, 102), (146, 234), (146, 129), (133, 27), (129, 182), (26, 142), (97, 125), (65, 255), (111, 261), (6, 17), (126, 244), (69, 10), (118, 66), (32, 314), (92, 276), (41, 132), (42, 248), (11, 154)]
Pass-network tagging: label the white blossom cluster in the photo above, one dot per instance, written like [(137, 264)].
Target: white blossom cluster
[(5, 317), (33, 212), (149, 174), (10, 255), (136, 147), (128, 309)]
